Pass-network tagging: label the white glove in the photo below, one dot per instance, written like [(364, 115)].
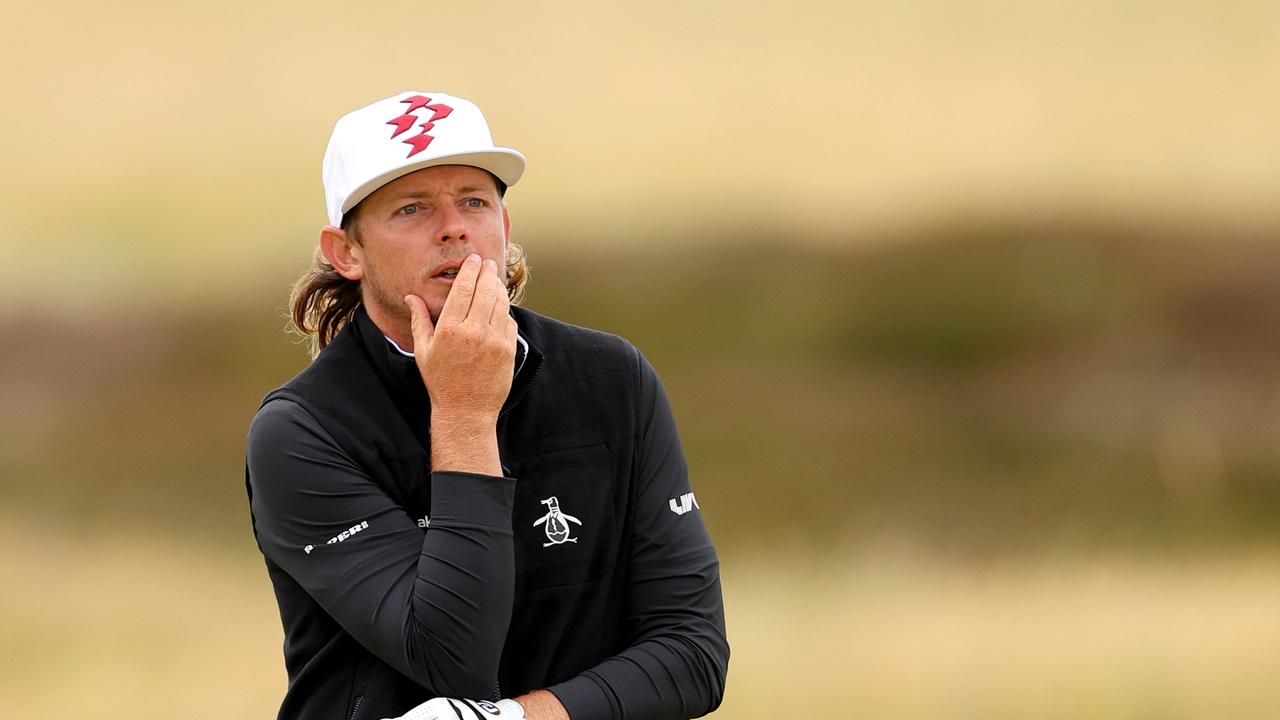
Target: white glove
[(451, 709)]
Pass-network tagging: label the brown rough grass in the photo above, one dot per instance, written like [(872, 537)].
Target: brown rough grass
[(138, 626)]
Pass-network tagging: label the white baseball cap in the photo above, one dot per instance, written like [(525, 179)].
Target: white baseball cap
[(394, 136)]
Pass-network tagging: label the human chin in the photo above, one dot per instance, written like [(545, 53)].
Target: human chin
[(434, 296)]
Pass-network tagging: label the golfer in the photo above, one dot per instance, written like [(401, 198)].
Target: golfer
[(466, 507)]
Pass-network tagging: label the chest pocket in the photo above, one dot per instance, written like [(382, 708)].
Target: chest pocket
[(565, 517)]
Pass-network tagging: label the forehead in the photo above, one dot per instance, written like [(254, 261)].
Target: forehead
[(437, 180)]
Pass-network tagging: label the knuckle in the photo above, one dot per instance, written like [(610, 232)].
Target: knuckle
[(452, 332)]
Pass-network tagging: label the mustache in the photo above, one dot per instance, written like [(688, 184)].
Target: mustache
[(454, 253)]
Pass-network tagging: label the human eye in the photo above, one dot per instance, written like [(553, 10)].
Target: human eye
[(409, 209), (474, 202)]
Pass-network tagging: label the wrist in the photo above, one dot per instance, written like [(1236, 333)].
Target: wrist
[(465, 444), (542, 705), (462, 421)]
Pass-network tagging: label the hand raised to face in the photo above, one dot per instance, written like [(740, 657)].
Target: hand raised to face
[(465, 357)]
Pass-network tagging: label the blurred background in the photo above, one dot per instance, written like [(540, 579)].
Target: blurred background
[(969, 314)]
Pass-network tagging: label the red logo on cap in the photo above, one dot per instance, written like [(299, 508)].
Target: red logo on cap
[(419, 142)]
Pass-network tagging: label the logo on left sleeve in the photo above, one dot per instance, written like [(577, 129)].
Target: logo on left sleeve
[(556, 523), (684, 504), (340, 536)]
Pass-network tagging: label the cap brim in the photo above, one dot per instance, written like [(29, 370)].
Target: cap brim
[(506, 164)]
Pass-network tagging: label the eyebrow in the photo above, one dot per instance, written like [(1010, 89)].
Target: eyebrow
[(465, 189)]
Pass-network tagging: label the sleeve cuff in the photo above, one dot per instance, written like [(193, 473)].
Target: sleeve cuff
[(583, 698), (472, 499)]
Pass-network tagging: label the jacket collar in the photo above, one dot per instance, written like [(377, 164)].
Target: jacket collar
[(399, 374)]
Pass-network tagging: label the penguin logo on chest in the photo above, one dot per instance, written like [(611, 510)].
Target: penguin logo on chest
[(556, 523)]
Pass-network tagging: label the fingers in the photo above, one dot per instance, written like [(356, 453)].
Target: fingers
[(419, 322), (458, 304), (502, 304), (509, 327), (488, 290), (478, 294), (500, 317)]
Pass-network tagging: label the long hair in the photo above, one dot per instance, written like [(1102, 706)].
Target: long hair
[(322, 301)]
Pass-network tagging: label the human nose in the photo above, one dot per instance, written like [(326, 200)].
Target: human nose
[(452, 227)]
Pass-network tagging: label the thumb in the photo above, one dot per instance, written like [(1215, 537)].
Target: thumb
[(419, 324)]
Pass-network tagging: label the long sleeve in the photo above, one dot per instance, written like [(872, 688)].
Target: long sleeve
[(434, 604), (678, 659)]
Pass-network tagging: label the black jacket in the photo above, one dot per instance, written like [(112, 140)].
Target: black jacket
[(587, 571)]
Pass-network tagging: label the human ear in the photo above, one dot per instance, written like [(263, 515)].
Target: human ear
[(342, 252)]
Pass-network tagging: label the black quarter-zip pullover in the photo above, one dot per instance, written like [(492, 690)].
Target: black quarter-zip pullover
[(587, 570)]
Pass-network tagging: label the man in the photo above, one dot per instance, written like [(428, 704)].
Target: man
[(460, 501)]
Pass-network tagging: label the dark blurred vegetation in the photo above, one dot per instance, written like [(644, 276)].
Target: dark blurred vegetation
[(976, 389)]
